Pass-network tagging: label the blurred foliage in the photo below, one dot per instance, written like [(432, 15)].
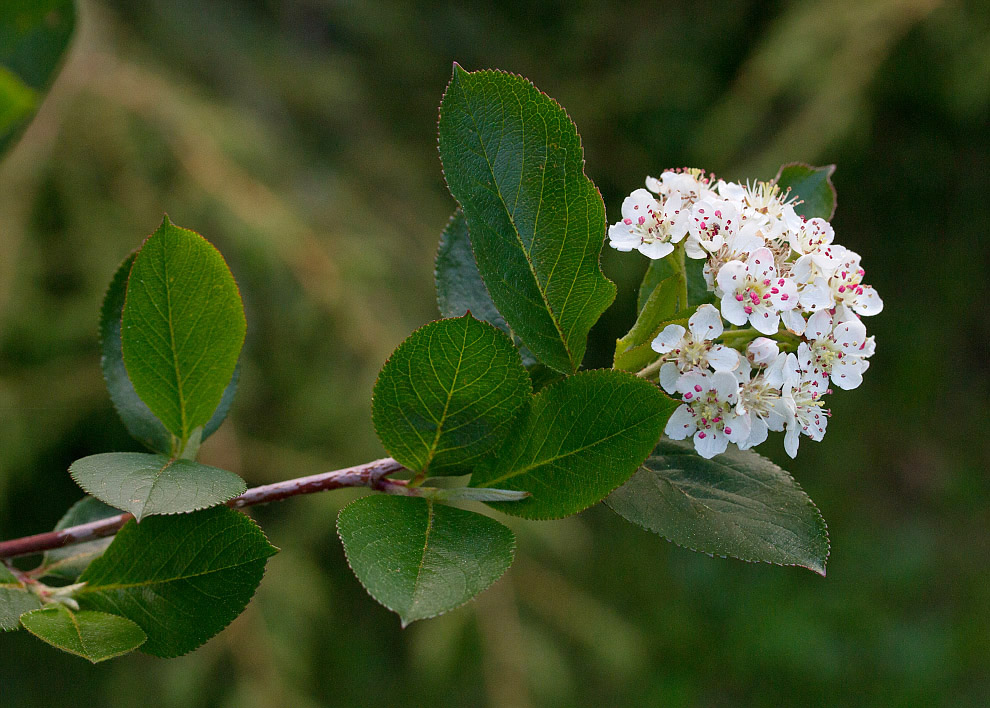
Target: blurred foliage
[(300, 137)]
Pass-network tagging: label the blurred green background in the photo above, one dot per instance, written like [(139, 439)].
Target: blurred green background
[(300, 137)]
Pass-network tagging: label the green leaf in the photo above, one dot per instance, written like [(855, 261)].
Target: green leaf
[(446, 396), (419, 558), (634, 351), (34, 36), (15, 600), (736, 504), (96, 636), (71, 561), (181, 578), (140, 422), (182, 328), (146, 484), (812, 185), (583, 437), (514, 162), (660, 270)]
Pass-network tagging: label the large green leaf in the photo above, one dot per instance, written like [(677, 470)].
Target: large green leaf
[(447, 395), (15, 600), (182, 328), (34, 35), (583, 437), (181, 578), (737, 504), (146, 484), (514, 162), (70, 561), (812, 185), (140, 422), (96, 636), (419, 558)]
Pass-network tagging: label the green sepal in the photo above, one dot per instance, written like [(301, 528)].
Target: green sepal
[(146, 484)]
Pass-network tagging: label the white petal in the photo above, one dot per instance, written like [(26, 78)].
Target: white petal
[(706, 323), (725, 385), (709, 443), (786, 297), (656, 250), (680, 425), (869, 303), (669, 339), (693, 249), (847, 375), (653, 184), (757, 434), (622, 238), (722, 358), (762, 351), (760, 264), (638, 205), (732, 309), (669, 373), (764, 320), (731, 276), (737, 428), (791, 439), (693, 383), (851, 335), (794, 321), (817, 296), (819, 325)]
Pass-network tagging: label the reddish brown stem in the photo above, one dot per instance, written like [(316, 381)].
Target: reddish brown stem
[(371, 474)]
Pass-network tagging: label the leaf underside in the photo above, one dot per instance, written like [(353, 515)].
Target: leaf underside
[(15, 600), (96, 636), (419, 558), (69, 562), (736, 504), (146, 484)]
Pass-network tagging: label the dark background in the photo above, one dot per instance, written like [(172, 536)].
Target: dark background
[(300, 137)]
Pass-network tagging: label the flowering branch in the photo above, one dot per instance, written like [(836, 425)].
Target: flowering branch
[(374, 475)]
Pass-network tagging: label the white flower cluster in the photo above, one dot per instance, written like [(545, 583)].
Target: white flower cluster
[(766, 266)]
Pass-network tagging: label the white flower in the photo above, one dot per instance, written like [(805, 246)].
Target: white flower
[(708, 413), (841, 352), (689, 349), (647, 226), (762, 401), (712, 223), (803, 388), (848, 289), (753, 291), (692, 184)]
